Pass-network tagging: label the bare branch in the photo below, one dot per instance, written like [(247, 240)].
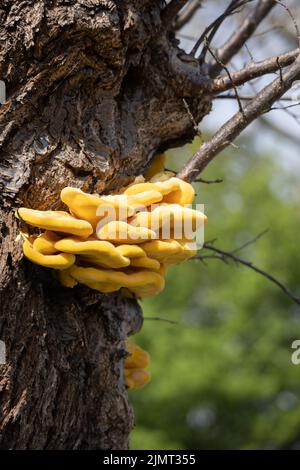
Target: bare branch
[(232, 128), (187, 14), (248, 97), (226, 256), (291, 15), (171, 10), (254, 70), (239, 38)]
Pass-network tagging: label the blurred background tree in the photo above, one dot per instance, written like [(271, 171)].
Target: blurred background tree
[(222, 375)]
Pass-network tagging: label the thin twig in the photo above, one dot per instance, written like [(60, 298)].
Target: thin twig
[(239, 38), (216, 23), (172, 322), (202, 180), (226, 256), (291, 15), (251, 241), (229, 77), (230, 10), (232, 128)]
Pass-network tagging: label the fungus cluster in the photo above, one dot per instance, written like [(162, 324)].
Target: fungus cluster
[(136, 375), (125, 240)]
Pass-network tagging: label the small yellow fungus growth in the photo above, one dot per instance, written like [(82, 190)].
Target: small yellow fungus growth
[(138, 358), (136, 378), (136, 375), (157, 165), (66, 279), (59, 261), (122, 241), (58, 221)]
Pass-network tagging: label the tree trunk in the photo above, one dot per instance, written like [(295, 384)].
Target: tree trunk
[(91, 97)]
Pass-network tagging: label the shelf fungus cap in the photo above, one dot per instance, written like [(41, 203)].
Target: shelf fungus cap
[(94, 250), (121, 232), (142, 282), (184, 195), (131, 251), (136, 378), (92, 207), (45, 243), (146, 263), (138, 358), (166, 187), (58, 261), (172, 217), (58, 221), (188, 250), (162, 249)]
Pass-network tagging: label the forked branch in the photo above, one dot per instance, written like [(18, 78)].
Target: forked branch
[(234, 44), (226, 256), (232, 128), (254, 70)]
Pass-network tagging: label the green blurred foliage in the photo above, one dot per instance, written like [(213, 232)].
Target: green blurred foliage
[(222, 377)]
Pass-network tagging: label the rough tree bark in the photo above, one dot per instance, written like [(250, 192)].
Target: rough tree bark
[(91, 98)]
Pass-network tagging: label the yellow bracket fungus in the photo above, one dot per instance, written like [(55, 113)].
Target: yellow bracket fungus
[(121, 241), (136, 375)]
